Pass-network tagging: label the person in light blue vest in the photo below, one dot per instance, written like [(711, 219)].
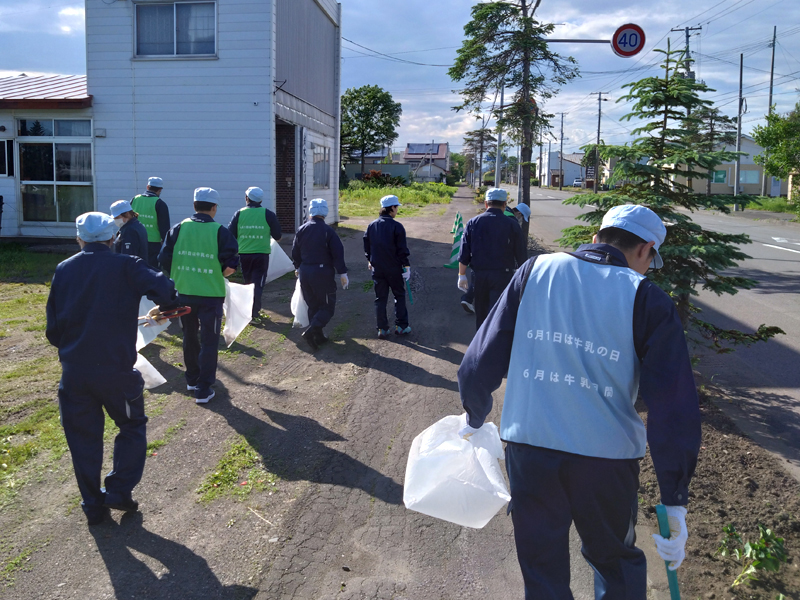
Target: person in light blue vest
[(579, 335), (253, 226), (198, 254)]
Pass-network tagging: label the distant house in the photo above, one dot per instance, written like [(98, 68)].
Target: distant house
[(428, 162), (750, 174), (221, 93), (371, 158), (551, 168)]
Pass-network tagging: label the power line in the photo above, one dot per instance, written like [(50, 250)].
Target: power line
[(410, 62)]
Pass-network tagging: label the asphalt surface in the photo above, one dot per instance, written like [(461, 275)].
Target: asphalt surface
[(761, 383)]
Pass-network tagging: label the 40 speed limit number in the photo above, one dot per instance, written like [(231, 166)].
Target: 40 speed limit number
[(628, 40)]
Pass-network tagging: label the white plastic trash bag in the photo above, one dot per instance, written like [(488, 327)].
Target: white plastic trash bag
[(299, 307), (279, 263), (145, 335), (454, 479), (152, 378), (238, 309)]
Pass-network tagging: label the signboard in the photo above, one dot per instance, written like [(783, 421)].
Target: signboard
[(628, 40), (590, 172)]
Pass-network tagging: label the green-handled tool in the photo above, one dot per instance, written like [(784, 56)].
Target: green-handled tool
[(663, 530), (408, 288)]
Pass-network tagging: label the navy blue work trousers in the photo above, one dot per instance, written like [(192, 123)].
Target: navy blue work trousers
[(489, 285), (83, 393), (318, 285), (254, 270), (383, 283), (201, 343), (153, 248), (550, 490)]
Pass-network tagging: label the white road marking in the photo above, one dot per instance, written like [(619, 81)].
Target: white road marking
[(781, 248)]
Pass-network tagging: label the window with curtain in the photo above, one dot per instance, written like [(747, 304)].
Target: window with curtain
[(322, 167), (55, 171), (176, 29), (720, 177), (748, 177)]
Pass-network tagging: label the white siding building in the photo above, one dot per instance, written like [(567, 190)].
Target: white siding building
[(220, 93)]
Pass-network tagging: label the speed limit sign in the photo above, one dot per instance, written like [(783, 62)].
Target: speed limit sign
[(628, 40)]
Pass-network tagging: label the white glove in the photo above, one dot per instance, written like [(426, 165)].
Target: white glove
[(406, 273), (463, 284), (345, 281), (466, 431), (152, 318), (673, 549), (370, 267)]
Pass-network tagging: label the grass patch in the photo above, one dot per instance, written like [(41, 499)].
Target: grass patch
[(17, 563), (168, 435), (237, 473), (32, 368), (361, 201), (19, 264), (23, 303), (368, 285), (340, 329), (778, 205)]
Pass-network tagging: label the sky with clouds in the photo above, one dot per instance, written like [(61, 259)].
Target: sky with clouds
[(47, 36)]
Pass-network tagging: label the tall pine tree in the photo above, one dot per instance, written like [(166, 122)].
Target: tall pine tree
[(657, 168)]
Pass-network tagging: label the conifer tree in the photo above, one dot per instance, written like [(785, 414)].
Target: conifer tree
[(657, 167)]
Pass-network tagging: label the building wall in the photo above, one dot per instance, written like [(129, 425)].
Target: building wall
[(193, 121)]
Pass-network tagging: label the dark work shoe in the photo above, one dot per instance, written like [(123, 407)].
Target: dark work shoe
[(203, 397), (117, 502), (309, 335), (96, 515), (319, 337)]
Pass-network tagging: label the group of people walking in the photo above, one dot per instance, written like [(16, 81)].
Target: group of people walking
[(577, 336)]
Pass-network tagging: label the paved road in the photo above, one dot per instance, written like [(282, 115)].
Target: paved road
[(762, 383)]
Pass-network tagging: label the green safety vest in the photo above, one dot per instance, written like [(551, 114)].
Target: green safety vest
[(508, 213), (195, 263), (146, 207), (253, 231)]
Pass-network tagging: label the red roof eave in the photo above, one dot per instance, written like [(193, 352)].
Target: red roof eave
[(46, 103)]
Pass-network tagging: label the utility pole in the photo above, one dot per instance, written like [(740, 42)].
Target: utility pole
[(737, 168), (549, 181), (541, 144), (499, 155), (689, 73), (600, 101), (771, 80), (561, 157), (519, 173)]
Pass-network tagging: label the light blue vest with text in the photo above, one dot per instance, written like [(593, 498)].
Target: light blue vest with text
[(574, 373)]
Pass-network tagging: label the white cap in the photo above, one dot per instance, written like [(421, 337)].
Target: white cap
[(256, 194), (95, 227), (496, 195), (156, 182), (524, 210), (205, 194), (390, 200), (641, 222), (119, 207), (318, 207)]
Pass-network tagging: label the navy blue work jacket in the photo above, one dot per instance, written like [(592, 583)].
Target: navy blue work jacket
[(93, 307), (316, 243), (132, 239), (666, 382), (227, 253), (385, 245), (492, 241), (271, 218)]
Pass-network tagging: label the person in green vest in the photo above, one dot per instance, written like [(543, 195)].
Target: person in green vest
[(154, 215), (198, 254), (253, 226)]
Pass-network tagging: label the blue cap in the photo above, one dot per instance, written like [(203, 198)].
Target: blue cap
[(391, 200), (640, 221), (318, 207), (155, 182), (95, 227), (496, 195), (524, 210), (205, 194), (256, 194), (119, 207)]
